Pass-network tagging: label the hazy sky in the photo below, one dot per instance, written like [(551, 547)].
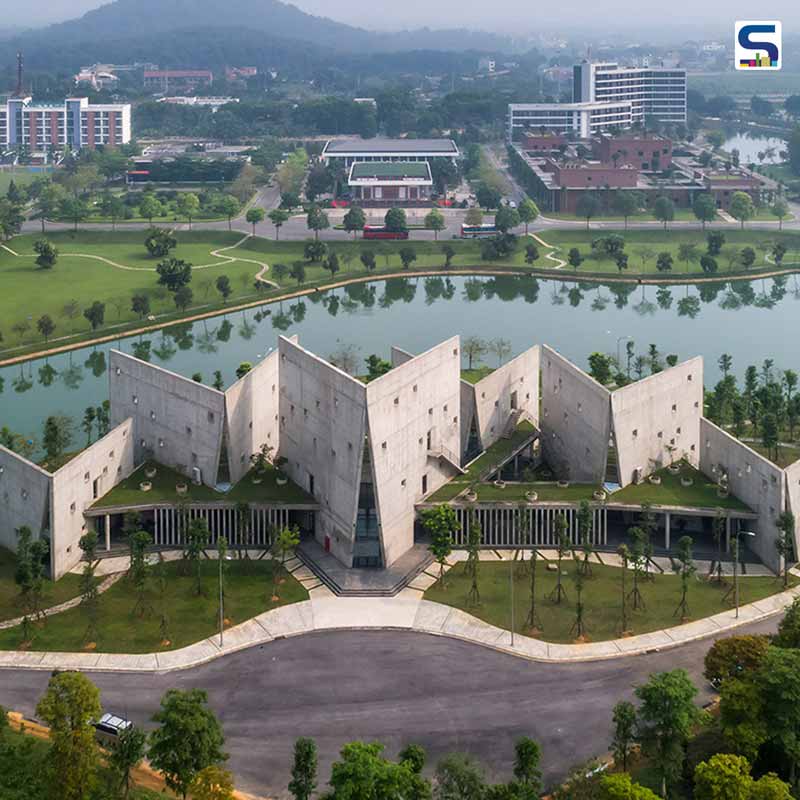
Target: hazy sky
[(520, 16)]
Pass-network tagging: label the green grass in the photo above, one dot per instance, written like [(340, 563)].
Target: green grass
[(128, 493), (681, 214), (191, 617), (268, 491), (601, 598), (702, 494), (658, 241), (547, 492), (53, 594), (476, 374), (20, 175)]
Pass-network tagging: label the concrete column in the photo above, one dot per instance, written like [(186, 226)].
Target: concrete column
[(108, 531), (667, 521), (728, 535)]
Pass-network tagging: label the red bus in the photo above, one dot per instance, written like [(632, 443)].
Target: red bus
[(373, 232)]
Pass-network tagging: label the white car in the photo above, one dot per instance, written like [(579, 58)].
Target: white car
[(512, 204)]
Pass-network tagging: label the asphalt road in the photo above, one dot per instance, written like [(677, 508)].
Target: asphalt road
[(394, 688)]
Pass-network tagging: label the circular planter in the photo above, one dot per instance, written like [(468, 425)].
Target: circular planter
[(563, 484), (145, 486), (471, 496), (281, 480), (500, 484), (655, 480), (255, 479), (674, 469), (599, 495), (150, 472), (531, 497), (181, 488), (686, 482), (723, 493)]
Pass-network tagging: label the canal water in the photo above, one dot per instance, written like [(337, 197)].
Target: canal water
[(751, 321)]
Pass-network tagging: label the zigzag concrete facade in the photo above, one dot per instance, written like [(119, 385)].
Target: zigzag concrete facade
[(364, 457)]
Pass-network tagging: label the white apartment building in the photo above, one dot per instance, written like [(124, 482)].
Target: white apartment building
[(73, 123), (571, 119)]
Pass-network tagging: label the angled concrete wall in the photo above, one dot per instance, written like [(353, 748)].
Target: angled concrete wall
[(399, 356), (752, 478), (322, 418), (80, 482), (575, 419), (493, 395), (419, 396), (657, 413), (792, 474), (24, 498), (251, 414), (468, 414), (179, 420)]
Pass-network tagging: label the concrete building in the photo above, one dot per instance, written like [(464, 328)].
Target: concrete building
[(354, 462), (575, 120), (72, 124), (171, 80), (388, 182)]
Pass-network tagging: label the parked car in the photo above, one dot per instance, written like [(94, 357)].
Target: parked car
[(109, 728)]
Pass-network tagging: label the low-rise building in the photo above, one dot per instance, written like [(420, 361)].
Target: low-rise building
[(390, 182), (167, 80), (344, 152)]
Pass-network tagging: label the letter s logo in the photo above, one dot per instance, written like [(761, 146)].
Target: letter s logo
[(745, 41)]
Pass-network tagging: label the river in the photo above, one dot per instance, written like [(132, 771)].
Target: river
[(756, 321)]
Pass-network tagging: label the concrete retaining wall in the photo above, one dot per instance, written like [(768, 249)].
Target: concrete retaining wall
[(24, 497)]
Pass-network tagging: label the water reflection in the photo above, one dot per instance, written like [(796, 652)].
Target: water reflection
[(577, 317)]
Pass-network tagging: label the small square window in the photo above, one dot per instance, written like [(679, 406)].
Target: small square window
[(678, 431), (349, 445), (455, 351), (674, 408), (86, 477), (397, 401), (430, 412), (111, 454), (142, 443), (580, 407), (152, 415), (118, 371), (160, 442), (210, 416), (72, 508), (24, 494), (660, 434), (135, 400), (455, 420), (635, 433), (692, 448), (689, 377), (444, 409), (383, 445), (403, 482), (415, 387)]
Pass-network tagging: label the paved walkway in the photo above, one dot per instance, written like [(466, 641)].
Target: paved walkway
[(407, 611)]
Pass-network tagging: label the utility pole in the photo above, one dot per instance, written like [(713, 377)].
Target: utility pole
[(18, 91)]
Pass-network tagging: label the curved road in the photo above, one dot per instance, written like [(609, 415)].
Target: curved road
[(394, 688)]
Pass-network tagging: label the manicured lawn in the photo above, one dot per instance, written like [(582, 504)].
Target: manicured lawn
[(476, 374), (128, 493), (547, 492), (20, 175), (702, 493), (268, 491), (644, 216), (54, 593), (601, 599), (638, 243), (191, 617)]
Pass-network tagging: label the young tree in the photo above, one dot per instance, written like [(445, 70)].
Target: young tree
[(705, 208), (45, 326), (189, 738), (139, 541), (368, 260), (527, 772), (286, 541), (784, 544), (636, 557), (715, 241), (230, 207), (501, 348), (747, 257), (159, 242), (196, 541), (354, 220), (664, 210), (223, 284), (188, 206), (407, 256), (183, 297), (585, 524), (624, 554), (780, 209), (473, 347), (574, 257), (88, 584), (69, 706), (665, 718), (741, 207), (441, 523), (304, 770), (624, 717), (212, 783), (395, 220), (506, 219), (449, 254), (126, 754), (278, 217), (95, 314), (434, 221), (531, 253), (49, 202), (254, 215), (563, 544), (532, 621), (626, 204), (89, 416), (317, 220), (458, 777), (473, 559), (150, 207), (474, 216), (686, 569), (528, 212), (57, 436), (298, 272), (46, 253), (587, 207), (734, 657)]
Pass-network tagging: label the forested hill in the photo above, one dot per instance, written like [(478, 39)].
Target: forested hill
[(176, 32)]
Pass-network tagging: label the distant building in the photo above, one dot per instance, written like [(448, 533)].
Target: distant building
[(387, 183), (347, 151), (71, 124), (233, 74), (575, 120), (166, 80), (366, 101), (194, 100)]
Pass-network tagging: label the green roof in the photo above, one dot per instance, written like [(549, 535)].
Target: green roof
[(398, 170)]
